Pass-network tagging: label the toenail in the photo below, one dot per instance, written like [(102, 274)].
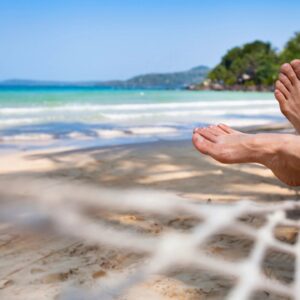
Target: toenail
[(286, 66), (195, 130), (200, 139)]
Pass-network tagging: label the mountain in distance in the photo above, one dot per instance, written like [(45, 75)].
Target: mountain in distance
[(176, 80)]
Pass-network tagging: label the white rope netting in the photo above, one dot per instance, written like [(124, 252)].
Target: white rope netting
[(80, 211)]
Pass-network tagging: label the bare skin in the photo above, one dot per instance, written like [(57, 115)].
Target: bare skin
[(278, 152), (287, 92)]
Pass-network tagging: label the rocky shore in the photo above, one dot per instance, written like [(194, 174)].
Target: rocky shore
[(208, 85)]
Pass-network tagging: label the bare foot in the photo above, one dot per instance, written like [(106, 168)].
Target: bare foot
[(287, 92), (278, 152), (296, 66)]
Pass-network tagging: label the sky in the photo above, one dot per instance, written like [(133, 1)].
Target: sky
[(117, 39)]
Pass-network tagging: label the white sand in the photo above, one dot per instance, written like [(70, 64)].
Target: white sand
[(40, 267)]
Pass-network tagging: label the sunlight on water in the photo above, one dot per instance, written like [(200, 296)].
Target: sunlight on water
[(100, 116)]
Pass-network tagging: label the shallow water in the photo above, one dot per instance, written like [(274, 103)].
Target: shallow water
[(38, 116)]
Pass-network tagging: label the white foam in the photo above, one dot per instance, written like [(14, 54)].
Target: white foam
[(109, 134), (27, 137), (78, 136), (152, 130), (132, 107), (135, 131), (140, 120), (189, 113), (18, 121)]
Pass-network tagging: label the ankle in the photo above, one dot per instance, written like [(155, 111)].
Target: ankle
[(266, 147)]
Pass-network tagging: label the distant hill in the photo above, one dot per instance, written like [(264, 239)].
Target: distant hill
[(176, 80)]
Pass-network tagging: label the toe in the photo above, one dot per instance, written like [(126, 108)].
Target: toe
[(287, 70), (209, 148), (285, 81), (216, 130), (281, 99), (296, 66), (281, 87), (208, 134), (202, 145), (227, 129)]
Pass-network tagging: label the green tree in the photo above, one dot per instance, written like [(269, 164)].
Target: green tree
[(254, 64), (291, 50)]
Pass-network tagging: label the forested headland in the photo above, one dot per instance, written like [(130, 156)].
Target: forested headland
[(253, 66)]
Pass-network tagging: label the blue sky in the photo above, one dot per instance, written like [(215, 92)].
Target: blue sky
[(111, 39)]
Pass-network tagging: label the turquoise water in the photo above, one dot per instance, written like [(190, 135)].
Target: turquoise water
[(58, 96), (104, 117)]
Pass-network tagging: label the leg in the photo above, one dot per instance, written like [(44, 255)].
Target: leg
[(287, 92), (278, 152)]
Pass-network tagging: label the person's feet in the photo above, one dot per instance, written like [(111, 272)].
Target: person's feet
[(278, 152), (287, 92)]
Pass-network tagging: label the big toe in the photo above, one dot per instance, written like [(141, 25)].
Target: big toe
[(288, 71), (296, 66), (202, 144)]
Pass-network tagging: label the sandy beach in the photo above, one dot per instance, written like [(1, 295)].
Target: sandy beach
[(103, 195), (35, 266)]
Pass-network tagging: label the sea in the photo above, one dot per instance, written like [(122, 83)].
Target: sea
[(81, 117)]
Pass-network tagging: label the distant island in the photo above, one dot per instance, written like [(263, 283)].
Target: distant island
[(251, 67), (176, 80)]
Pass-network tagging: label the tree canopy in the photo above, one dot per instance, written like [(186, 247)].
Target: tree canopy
[(292, 49), (254, 64)]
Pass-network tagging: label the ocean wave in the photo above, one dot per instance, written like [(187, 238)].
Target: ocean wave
[(18, 121), (136, 107), (130, 133), (97, 133), (146, 117), (191, 113), (27, 137)]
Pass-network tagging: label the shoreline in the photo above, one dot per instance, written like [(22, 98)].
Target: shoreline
[(64, 160), (78, 142)]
